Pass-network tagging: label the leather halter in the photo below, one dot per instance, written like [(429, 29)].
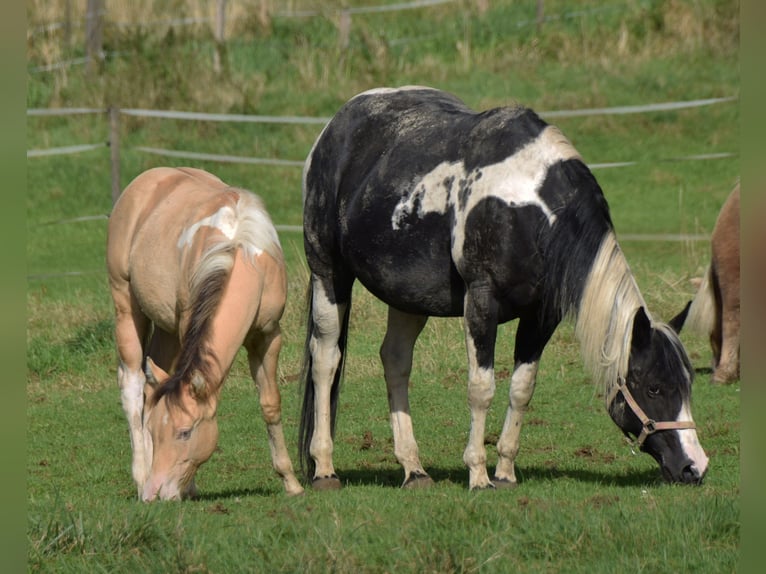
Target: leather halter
[(648, 425)]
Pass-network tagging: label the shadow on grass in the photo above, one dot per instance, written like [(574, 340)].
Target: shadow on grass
[(393, 477), (530, 474), (233, 493)]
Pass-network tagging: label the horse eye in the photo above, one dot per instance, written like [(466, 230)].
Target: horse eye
[(184, 434)]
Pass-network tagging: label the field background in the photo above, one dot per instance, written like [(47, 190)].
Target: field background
[(584, 502)]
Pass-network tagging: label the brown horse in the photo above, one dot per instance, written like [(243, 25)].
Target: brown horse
[(196, 271), (714, 311)]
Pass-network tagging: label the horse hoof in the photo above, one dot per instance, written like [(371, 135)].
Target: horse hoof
[(481, 487), (504, 483), (418, 481), (331, 482)]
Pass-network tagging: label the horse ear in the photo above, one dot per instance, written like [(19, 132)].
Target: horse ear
[(642, 329), (198, 386), (677, 322), (154, 373)]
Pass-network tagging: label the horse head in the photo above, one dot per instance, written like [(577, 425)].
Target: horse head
[(180, 429), (652, 402)]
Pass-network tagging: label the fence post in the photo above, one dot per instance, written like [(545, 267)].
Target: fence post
[(220, 32), (540, 15), (114, 147), (344, 34), (94, 27), (68, 26)]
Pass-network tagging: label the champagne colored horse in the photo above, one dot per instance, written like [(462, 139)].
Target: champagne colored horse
[(196, 271), (714, 311)]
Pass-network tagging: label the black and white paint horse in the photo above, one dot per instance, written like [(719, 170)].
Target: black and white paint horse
[(442, 211)]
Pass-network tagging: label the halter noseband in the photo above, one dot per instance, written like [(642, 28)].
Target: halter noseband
[(648, 426)]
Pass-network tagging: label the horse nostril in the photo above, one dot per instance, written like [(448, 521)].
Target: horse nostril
[(690, 475)]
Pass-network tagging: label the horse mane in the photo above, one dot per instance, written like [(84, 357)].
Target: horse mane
[(589, 278), (604, 318), (254, 234)]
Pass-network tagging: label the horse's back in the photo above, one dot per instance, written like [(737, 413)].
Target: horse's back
[(165, 220), (417, 195)]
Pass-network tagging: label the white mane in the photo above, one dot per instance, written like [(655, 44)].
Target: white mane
[(604, 323)]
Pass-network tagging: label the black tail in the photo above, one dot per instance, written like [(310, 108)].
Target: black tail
[(306, 428), (677, 322)]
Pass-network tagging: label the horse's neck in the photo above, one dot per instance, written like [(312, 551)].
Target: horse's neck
[(244, 307)]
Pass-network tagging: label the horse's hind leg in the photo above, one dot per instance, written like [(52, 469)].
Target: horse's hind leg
[(727, 326), (480, 318), (530, 341), (396, 355), (263, 353), (131, 329), (328, 312)]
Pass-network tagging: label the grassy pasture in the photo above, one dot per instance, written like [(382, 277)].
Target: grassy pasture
[(585, 502)]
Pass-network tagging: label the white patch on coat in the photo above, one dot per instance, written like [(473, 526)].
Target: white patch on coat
[(224, 220), (516, 181)]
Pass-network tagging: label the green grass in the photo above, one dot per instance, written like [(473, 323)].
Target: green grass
[(585, 502)]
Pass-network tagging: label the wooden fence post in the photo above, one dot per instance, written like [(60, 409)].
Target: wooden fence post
[(344, 34), (540, 15), (67, 26), (114, 147), (94, 34), (220, 33)]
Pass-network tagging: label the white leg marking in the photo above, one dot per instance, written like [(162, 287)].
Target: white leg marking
[(326, 357), (132, 394), (522, 388), (481, 389)]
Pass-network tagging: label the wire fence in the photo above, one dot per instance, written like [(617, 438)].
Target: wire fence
[(114, 138), (116, 148)]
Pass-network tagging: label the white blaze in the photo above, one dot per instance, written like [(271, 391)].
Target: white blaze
[(690, 443)]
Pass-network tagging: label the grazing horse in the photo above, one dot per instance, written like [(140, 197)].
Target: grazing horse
[(714, 311), (196, 271), (442, 211)]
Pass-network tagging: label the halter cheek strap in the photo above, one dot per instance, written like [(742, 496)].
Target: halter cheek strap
[(648, 426)]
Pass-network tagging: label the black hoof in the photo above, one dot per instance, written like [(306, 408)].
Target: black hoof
[(489, 486), (504, 483), (418, 480), (331, 482)]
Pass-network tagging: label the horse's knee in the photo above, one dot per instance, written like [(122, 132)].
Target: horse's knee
[(272, 410), (481, 389)]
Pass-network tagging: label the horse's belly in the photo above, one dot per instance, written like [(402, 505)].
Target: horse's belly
[(157, 295), (415, 285)]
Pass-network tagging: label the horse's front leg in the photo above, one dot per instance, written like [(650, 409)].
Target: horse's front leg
[(480, 318), (396, 354), (530, 340), (263, 353), (131, 328)]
